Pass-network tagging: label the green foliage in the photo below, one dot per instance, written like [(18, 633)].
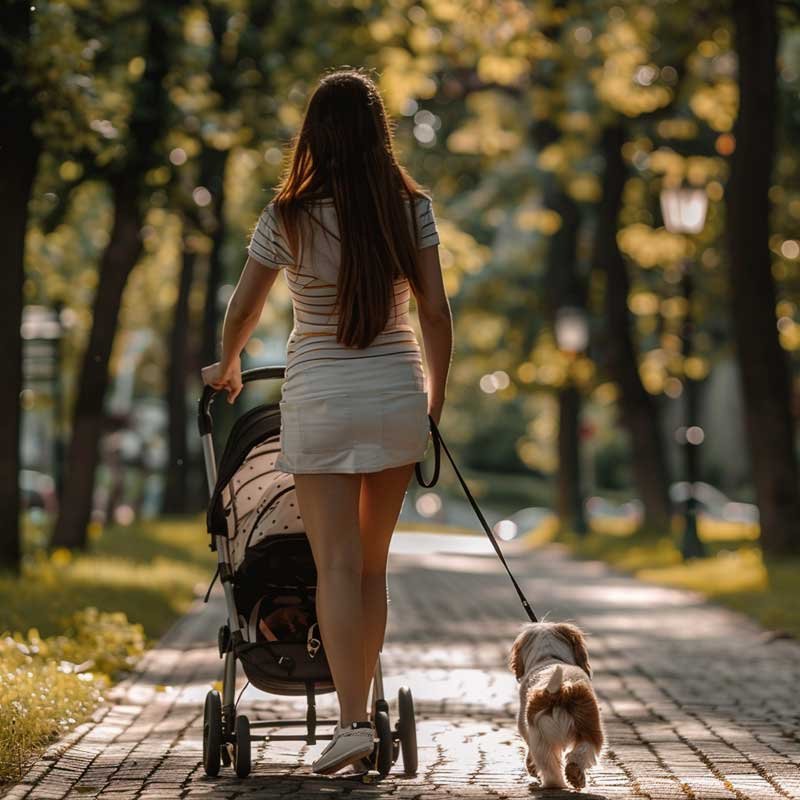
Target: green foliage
[(49, 684), (71, 624), (494, 105), (612, 464), (148, 571), (506, 492), (98, 640)]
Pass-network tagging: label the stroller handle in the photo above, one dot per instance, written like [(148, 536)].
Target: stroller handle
[(204, 421)]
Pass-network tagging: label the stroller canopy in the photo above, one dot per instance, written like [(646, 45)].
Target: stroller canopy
[(252, 500)]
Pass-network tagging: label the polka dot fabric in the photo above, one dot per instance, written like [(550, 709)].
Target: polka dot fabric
[(260, 501)]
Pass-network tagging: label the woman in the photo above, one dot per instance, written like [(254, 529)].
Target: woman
[(356, 235)]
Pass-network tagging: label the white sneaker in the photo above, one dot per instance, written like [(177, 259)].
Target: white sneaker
[(348, 746), (365, 763)]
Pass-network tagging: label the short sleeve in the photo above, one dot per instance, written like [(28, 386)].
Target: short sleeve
[(426, 223), (267, 243)]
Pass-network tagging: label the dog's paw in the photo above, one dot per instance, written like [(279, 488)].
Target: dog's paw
[(575, 775), (530, 766)]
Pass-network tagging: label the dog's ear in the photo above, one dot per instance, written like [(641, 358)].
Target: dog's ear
[(516, 663), (574, 636)]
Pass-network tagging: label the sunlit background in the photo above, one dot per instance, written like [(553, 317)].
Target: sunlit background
[(608, 288)]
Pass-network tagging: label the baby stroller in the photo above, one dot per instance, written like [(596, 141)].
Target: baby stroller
[(267, 571)]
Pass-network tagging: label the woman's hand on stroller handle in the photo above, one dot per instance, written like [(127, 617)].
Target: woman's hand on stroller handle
[(229, 378)]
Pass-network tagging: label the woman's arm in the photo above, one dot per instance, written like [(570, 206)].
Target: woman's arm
[(241, 317), (244, 308), (436, 323)]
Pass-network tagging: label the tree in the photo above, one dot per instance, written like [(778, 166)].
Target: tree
[(566, 288), (19, 155), (762, 361), (176, 480), (637, 407), (127, 178)]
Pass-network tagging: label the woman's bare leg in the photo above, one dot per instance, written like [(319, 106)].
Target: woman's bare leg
[(382, 496), (329, 505)]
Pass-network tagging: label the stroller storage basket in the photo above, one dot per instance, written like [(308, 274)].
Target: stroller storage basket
[(284, 667), (279, 574)]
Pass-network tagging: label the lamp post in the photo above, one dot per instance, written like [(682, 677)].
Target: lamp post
[(571, 330), (684, 211)]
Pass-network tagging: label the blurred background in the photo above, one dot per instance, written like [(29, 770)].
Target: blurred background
[(616, 186)]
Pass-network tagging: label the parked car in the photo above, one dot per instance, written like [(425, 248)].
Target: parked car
[(714, 503)]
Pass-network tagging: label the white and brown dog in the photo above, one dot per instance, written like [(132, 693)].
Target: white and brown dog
[(558, 709)]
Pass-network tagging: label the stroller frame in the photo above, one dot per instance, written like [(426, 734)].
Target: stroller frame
[(227, 735)]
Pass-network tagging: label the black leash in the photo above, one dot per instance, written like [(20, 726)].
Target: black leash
[(438, 443)]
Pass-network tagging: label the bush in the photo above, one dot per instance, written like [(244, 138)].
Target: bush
[(47, 685), (77, 609)]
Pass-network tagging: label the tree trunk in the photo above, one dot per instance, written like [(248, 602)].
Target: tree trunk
[(147, 123), (19, 155), (211, 316), (638, 409), (177, 484), (179, 496), (564, 287), (570, 495), (210, 342), (762, 360), (119, 258)]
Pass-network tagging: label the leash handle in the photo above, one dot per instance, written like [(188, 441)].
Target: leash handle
[(438, 444), (437, 458)]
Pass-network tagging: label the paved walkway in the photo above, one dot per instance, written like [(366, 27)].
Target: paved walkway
[(697, 702)]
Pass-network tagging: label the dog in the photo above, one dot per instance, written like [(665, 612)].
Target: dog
[(277, 619), (285, 624), (558, 709)]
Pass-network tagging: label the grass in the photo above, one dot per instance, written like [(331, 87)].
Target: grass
[(433, 527), (148, 571), (734, 574), (501, 490), (72, 623)]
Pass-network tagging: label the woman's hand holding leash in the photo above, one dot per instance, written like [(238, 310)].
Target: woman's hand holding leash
[(229, 378), (435, 410)]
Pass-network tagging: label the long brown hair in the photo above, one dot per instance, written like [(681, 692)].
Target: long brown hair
[(344, 150)]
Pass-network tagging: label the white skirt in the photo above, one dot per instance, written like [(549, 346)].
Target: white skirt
[(353, 415)]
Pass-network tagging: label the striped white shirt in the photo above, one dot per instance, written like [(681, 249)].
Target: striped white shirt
[(312, 285)]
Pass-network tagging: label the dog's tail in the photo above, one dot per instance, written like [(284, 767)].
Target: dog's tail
[(563, 707), (556, 679)]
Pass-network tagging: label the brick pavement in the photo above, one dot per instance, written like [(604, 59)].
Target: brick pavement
[(697, 701)]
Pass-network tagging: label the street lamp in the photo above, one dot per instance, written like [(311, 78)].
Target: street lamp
[(571, 328), (684, 210)]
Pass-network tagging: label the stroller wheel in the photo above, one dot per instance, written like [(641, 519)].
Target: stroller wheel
[(407, 728), (241, 747), (212, 734), (384, 731)]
